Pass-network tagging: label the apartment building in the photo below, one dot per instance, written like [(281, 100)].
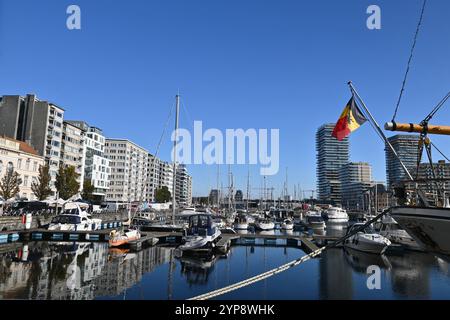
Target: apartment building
[(22, 158), (38, 123), (129, 171), (73, 150), (96, 165)]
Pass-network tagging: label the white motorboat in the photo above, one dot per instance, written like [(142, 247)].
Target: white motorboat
[(313, 213), (287, 225), (201, 234), (240, 223), (428, 226), (316, 222), (75, 218), (265, 224), (366, 240), (336, 214), (392, 230)]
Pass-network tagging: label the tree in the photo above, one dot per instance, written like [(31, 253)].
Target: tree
[(10, 184), (66, 182), (88, 190), (41, 188), (162, 195)]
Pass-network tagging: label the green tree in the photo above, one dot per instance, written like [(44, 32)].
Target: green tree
[(162, 195), (41, 188), (10, 184), (88, 190), (66, 182)]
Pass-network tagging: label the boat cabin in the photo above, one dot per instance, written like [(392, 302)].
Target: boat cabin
[(201, 225)]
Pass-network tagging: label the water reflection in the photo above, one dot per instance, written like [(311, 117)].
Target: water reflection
[(93, 271), (197, 269), (335, 277)]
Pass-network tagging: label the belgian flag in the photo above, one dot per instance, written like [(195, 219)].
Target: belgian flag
[(350, 120)]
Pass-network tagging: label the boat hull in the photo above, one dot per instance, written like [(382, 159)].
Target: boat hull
[(430, 227), (366, 246), (265, 226), (241, 226)]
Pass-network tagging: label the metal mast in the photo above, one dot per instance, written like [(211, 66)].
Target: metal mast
[(177, 113)]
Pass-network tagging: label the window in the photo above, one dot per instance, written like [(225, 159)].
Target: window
[(1, 167), (10, 167), (27, 166), (35, 166), (25, 181), (19, 163)]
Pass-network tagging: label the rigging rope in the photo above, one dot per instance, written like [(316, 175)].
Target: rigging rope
[(409, 60), (436, 109), (164, 132), (286, 266), (442, 154)]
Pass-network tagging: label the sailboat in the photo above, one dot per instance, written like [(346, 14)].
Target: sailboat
[(119, 238)]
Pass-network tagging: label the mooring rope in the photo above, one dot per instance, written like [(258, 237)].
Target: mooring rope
[(284, 267)]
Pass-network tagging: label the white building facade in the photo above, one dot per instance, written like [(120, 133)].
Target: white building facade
[(129, 171), (20, 157)]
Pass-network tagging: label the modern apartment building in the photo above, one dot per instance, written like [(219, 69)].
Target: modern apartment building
[(331, 156), (356, 180), (153, 177), (20, 157), (183, 193), (129, 171), (38, 123), (73, 150), (166, 175), (96, 165), (407, 149)]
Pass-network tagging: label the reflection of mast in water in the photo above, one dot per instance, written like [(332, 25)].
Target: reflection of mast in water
[(170, 280), (265, 280)]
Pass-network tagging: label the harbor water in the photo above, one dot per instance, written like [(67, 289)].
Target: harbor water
[(54, 271)]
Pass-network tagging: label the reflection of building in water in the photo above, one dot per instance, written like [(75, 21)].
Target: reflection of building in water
[(57, 272), (123, 272), (335, 277), (410, 276), (14, 278)]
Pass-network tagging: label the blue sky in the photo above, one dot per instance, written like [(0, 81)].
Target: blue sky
[(237, 64)]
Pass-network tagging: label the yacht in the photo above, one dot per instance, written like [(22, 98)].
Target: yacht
[(366, 240), (316, 222), (74, 218), (240, 223), (313, 213), (287, 225), (335, 214), (202, 233), (265, 224)]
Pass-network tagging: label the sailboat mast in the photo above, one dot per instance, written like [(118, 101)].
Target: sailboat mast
[(177, 113), (248, 188)]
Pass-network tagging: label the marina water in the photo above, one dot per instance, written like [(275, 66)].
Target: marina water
[(49, 270)]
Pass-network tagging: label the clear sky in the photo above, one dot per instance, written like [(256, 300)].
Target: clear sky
[(237, 64)]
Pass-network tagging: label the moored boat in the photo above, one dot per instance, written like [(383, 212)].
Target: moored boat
[(287, 225), (336, 214), (265, 224), (366, 240), (123, 237), (202, 233)]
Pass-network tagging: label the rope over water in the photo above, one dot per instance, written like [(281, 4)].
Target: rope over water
[(284, 267)]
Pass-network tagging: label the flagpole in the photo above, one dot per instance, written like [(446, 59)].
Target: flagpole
[(377, 126)]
